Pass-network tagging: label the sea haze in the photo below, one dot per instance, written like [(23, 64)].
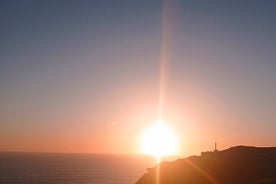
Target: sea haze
[(72, 168)]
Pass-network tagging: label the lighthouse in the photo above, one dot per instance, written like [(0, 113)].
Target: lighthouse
[(215, 150)]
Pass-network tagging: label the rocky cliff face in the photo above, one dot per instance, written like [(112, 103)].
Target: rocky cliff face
[(236, 165)]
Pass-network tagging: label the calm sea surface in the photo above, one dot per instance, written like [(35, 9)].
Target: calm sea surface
[(71, 168)]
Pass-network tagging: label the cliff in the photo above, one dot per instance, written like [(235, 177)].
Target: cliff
[(236, 165)]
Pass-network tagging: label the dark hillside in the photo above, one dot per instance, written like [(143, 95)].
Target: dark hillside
[(236, 165)]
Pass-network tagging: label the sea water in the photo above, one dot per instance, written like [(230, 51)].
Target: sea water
[(29, 168)]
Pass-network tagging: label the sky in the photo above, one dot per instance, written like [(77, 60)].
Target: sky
[(84, 76)]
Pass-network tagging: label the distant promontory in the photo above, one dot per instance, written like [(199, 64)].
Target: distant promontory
[(236, 165)]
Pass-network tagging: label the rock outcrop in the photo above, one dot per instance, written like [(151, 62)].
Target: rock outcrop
[(236, 165)]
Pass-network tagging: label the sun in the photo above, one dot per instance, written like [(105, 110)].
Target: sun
[(159, 140)]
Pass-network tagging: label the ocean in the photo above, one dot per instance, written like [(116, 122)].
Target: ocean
[(55, 168)]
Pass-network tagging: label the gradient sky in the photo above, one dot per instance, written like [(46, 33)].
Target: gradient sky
[(83, 76)]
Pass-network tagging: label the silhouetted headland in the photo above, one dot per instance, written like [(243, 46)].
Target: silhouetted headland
[(236, 165)]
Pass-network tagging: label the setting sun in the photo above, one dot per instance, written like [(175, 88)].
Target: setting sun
[(159, 140)]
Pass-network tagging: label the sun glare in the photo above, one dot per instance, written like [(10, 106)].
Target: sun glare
[(159, 140)]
